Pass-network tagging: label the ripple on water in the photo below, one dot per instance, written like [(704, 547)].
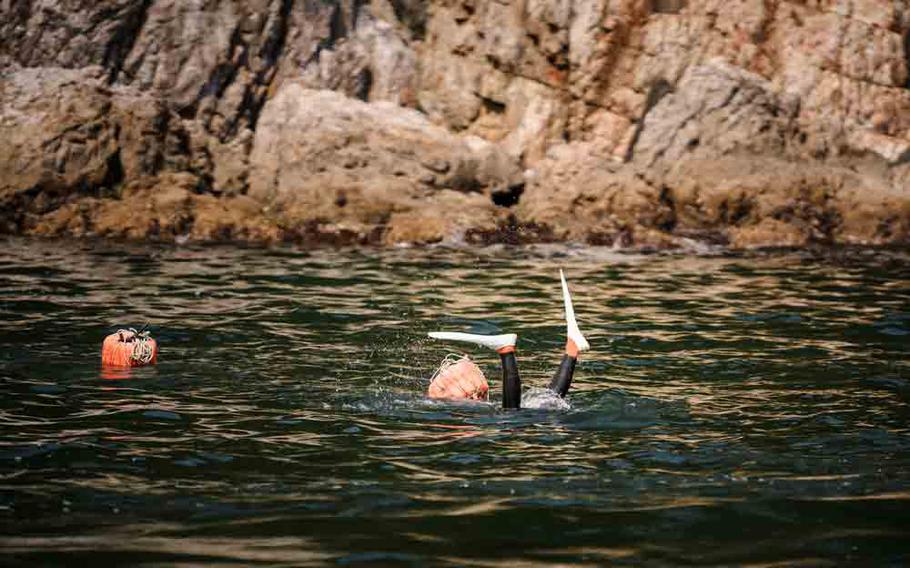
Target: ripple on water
[(725, 396)]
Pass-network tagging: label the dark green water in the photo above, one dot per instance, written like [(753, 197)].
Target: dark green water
[(734, 409)]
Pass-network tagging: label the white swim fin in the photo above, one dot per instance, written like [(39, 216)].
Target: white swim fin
[(571, 323), (495, 342)]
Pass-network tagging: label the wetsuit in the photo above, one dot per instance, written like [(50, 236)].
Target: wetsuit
[(511, 380)]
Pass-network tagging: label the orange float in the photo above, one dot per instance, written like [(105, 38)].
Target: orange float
[(129, 348)]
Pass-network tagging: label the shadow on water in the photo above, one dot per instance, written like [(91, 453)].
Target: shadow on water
[(733, 409)]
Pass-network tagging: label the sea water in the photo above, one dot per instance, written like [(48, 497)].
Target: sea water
[(734, 408)]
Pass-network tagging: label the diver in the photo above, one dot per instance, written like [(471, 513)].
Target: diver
[(463, 379)]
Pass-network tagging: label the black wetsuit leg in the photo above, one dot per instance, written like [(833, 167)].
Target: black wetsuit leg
[(511, 381), (562, 380)]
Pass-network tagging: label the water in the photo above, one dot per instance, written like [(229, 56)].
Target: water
[(734, 409)]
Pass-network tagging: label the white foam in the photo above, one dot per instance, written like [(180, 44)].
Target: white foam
[(545, 399)]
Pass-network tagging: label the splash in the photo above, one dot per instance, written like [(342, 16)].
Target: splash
[(543, 399)]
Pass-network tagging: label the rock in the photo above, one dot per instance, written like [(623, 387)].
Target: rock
[(745, 202), (849, 47), (497, 71), (610, 135), (768, 233), (56, 133), (736, 197), (73, 34), (639, 123), (359, 164), (716, 109), (148, 207), (373, 64), (874, 216), (448, 216), (844, 71), (151, 138), (64, 135), (584, 198), (212, 61), (892, 150), (163, 208)]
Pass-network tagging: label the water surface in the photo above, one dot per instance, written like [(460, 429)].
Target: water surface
[(734, 409)]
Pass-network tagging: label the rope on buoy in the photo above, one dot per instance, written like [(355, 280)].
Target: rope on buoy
[(129, 348), (144, 350)]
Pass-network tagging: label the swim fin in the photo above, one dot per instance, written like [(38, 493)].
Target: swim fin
[(495, 342), (571, 323)]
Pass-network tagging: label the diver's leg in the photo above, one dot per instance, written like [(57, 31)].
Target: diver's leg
[(575, 343), (505, 346), (562, 380), (511, 380)]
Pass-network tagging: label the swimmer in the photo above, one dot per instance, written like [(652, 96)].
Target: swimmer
[(462, 379)]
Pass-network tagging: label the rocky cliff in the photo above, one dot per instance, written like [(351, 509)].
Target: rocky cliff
[(618, 122)]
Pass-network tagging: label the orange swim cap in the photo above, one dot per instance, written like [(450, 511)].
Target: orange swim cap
[(459, 379)]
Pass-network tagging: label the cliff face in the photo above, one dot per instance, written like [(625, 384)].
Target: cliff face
[(627, 122)]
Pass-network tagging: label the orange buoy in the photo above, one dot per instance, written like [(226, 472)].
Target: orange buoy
[(129, 348)]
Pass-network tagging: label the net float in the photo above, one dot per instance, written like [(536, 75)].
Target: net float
[(129, 348)]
